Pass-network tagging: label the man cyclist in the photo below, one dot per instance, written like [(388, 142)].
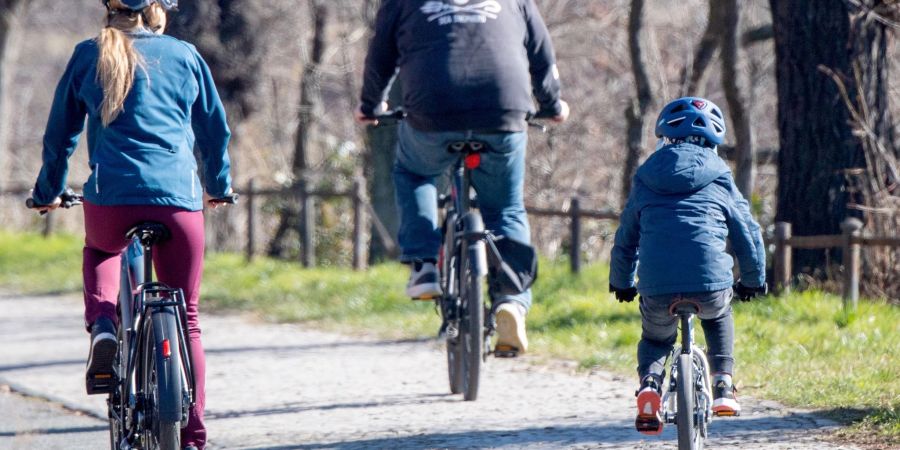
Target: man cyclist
[(468, 70)]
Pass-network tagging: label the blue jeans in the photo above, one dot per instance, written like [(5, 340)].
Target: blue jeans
[(499, 181), (660, 330)]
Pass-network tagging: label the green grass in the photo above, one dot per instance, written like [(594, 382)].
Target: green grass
[(32, 263), (800, 349)]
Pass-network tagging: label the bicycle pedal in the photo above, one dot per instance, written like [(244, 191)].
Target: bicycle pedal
[(726, 413), (424, 298), (506, 351), (100, 383), (651, 425)]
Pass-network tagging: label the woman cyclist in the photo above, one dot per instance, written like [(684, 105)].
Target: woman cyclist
[(148, 99)]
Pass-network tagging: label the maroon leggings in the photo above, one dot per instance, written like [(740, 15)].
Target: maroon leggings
[(178, 263)]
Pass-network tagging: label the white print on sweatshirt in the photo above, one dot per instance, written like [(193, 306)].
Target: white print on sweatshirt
[(461, 11)]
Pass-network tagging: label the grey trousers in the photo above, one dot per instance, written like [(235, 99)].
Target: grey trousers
[(660, 331)]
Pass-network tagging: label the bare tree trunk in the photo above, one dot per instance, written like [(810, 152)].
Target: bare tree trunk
[(9, 9), (735, 84), (382, 143), (226, 33), (307, 118), (634, 115), (694, 76), (816, 145)]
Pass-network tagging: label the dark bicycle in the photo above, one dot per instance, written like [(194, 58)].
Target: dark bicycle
[(151, 388), (467, 255)]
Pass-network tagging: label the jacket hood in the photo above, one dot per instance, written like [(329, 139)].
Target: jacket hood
[(681, 168)]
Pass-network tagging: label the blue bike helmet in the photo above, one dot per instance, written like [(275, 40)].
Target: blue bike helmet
[(692, 116), (137, 5)]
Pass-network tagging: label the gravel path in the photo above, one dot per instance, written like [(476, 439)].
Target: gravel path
[(289, 387)]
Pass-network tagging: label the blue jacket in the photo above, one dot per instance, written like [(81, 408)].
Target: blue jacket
[(682, 208), (146, 155)]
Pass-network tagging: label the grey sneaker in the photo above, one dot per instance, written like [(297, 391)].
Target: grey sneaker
[(511, 338), (424, 281), (100, 377)]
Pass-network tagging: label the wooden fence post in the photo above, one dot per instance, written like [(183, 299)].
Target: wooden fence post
[(783, 258), (852, 228), (575, 250), (359, 244), (251, 220), (307, 226)]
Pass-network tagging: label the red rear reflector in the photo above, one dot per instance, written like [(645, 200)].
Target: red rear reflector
[(473, 160), (166, 349)]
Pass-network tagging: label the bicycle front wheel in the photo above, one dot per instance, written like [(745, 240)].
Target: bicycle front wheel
[(472, 326), (161, 381), (455, 364), (689, 437)]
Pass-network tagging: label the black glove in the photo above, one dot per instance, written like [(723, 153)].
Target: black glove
[(745, 294), (624, 295)]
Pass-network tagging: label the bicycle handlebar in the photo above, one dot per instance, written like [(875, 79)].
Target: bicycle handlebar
[(530, 119), (68, 199), (230, 199)]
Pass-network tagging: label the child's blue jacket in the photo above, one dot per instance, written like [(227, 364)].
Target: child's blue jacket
[(682, 207), (146, 155)]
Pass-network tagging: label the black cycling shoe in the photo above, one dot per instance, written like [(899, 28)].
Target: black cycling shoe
[(100, 377)]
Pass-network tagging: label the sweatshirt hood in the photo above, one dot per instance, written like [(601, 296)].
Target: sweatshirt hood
[(681, 168)]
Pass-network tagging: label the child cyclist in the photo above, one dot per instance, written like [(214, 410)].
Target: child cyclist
[(682, 207)]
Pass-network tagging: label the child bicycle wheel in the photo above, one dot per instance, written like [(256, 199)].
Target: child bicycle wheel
[(689, 435)]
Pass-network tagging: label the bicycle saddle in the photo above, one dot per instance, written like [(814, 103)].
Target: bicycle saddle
[(684, 306), (149, 233)]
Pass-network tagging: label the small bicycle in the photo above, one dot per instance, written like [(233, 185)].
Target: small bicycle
[(687, 400), (152, 384)]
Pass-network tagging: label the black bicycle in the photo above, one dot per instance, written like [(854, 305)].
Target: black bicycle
[(151, 388), (467, 255), (462, 263)]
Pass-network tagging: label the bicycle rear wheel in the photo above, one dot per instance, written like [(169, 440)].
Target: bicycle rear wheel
[(114, 408), (689, 437), (161, 381), (472, 324), (448, 263)]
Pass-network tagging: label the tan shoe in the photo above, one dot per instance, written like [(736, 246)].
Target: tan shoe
[(511, 336)]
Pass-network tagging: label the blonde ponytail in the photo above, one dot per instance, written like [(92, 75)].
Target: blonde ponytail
[(119, 60)]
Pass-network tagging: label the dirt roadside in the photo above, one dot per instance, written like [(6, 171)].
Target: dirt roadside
[(276, 386)]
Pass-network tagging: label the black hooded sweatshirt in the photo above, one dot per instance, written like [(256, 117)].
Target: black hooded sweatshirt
[(463, 64)]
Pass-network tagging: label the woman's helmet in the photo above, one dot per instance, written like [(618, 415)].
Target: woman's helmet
[(137, 5), (692, 116)]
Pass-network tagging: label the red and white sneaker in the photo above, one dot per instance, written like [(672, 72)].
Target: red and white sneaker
[(649, 421)]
